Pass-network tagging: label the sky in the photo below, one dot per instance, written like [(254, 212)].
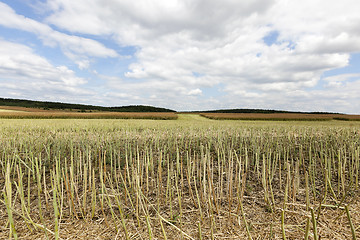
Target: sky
[(183, 54)]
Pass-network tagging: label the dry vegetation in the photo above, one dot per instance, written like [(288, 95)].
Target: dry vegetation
[(141, 179), (6, 111), (21, 109), (79, 115), (281, 116)]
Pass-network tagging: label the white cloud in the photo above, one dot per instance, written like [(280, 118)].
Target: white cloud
[(149, 19), (195, 92), (223, 41), (341, 80), (179, 37), (76, 48), (22, 71)]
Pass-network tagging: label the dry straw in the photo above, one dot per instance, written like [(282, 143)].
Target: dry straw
[(121, 179)]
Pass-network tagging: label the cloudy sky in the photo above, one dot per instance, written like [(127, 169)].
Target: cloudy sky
[(183, 54)]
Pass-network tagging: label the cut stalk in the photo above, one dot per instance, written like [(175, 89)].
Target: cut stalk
[(353, 232), (283, 224)]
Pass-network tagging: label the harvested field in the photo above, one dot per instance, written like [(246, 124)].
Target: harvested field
[(94, 115), (181, 179), (280, 116), (22, 109), (7, 111)]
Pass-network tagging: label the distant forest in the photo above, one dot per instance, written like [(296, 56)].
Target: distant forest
[(260, 111), (132, 108), (77, 107)]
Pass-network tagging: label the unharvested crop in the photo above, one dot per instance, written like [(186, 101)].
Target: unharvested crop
[(142, 179)]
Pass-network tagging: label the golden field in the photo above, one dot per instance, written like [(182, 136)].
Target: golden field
[(191, 178)]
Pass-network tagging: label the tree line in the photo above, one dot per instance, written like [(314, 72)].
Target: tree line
[(79, 107)]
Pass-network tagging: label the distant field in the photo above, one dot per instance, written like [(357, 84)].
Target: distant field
[(37, 113), (20, 109), (6, 111), (10, 114), (280, 116)]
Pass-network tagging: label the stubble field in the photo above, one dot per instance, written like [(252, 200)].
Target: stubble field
[(191, 178)]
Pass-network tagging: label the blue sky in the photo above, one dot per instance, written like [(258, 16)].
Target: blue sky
[(183, 55)]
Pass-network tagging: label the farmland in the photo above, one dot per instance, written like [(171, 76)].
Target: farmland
[(35, 113), (190, 178), (281, 116), (7, 111), (93, 115), (3, 110)]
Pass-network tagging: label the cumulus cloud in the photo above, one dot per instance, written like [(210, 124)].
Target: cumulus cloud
[(76, 48), (22, 72), (137, 20), (226, 35), (195, 92), (342, 77)]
